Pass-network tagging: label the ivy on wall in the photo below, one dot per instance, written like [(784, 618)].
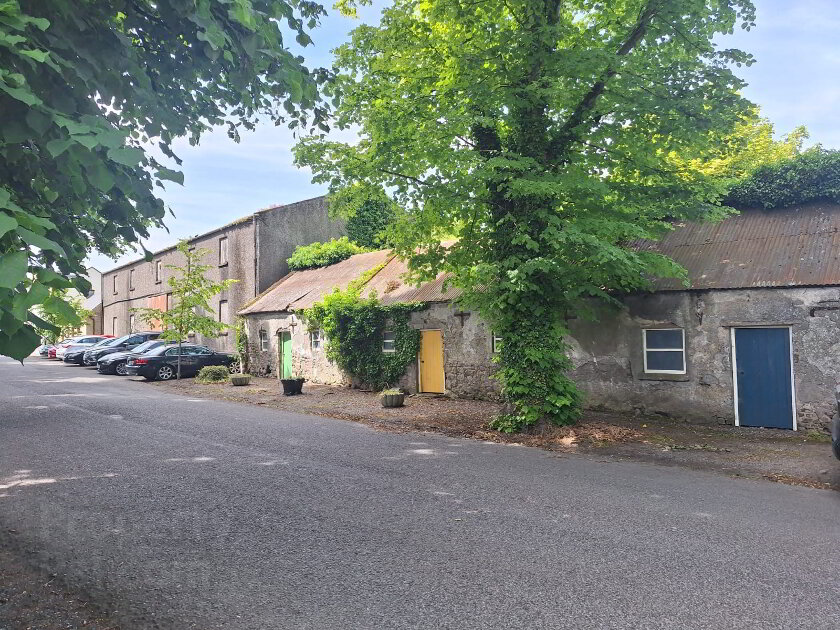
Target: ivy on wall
[(355, 327), (811, 176)]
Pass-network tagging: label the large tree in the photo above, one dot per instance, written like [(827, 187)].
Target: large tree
[(92, 96), (541, 134)]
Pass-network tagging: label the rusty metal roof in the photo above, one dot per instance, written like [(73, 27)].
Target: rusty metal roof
[(391, 287), (301, 289), (797, 246)]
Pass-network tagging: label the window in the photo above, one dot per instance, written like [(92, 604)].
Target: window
[(115, 284), (131, 279), (223, 252), (664, 350), (263, 341), (388, 342), (158, 271), (316, 338), (173, 352), (114, 327), (202, 350), (497, 343), (168, 301), (131, 323), (223, 314)]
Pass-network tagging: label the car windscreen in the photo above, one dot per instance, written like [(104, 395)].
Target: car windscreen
[(146, 346), (119, 340)]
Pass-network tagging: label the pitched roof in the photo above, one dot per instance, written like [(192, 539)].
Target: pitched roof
[(797, 246)]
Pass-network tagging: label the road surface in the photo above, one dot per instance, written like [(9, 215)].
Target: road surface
[(174, 512)]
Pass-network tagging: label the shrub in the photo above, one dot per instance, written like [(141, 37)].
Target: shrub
[(213, 374), (323, 254)]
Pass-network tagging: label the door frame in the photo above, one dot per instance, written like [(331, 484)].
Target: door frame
[(442, 362), (735, 371)]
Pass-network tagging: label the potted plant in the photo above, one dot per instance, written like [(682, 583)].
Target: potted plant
[(240, 379), (292, 385), (392, 398)]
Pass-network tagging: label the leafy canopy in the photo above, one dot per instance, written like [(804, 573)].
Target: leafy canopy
[(369, 213), (191, 294), (323, 254), (540, 133), (63, 310), (92, 96)]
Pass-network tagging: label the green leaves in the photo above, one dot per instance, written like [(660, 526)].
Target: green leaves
[(323, 254), (13, 267)]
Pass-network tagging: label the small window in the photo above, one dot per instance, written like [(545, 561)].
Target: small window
[(158, 270), (316, 338), (388, 342), (664, 350), (131, 323), (497, 343), (114, 327), (263, 341), (223, 313), (168, 301), (223, 251), (115, 284), (131, 279)]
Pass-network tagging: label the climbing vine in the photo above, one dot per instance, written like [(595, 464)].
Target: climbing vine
[(355, 327)]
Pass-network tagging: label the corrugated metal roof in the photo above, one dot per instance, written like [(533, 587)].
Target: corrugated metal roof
[(301, 289), (796, 246), (391, 287)]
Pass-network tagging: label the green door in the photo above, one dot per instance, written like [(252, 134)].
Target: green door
[(286, 355)]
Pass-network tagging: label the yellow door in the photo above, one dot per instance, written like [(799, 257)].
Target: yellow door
[(431, 361)]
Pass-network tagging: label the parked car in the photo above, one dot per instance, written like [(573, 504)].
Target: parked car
[(121, 344), (835, 436), (114, 363), (44, 350), (75, 354), (81, 344), (162, 363), (61, 346)]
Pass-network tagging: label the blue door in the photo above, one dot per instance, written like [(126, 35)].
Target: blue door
[(764, 388)]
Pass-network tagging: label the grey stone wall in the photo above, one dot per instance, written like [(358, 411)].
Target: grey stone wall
[(280, 230), (241, 263), (607, 354)]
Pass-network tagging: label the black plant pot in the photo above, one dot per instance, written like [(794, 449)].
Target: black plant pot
[(292, 386)]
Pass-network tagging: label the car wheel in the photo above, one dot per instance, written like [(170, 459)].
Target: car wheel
[(233, 367), (119, 368), (165, 372)]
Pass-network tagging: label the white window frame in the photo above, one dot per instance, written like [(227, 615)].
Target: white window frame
[(495, 344), (158, 274), (115, 283), (131, 279), (223, 247), (393, 340), (131, 323), (645, 351), (263, 337), (316, 339)]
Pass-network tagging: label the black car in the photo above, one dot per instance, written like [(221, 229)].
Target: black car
[(121, 344), (76, 354), (114, 363), (162, 363)]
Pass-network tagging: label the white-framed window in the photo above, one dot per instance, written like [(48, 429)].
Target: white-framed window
[(131, 279), (131, 323), (664, 350), (497, 343), (263, 340), (223, 251), (223, 314), (115, 284), (316, 338), (114, 327), (388, 342), (158, 270)]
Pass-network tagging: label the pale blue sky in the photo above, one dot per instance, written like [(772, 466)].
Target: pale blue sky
[(795, 81)]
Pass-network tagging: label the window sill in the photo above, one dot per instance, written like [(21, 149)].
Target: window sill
[(676, 378), (157, 281), (223, 264)]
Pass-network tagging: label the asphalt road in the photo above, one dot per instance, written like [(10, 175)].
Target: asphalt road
[(190, 513)]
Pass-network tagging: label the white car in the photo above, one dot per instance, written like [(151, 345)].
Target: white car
[(85, 340)]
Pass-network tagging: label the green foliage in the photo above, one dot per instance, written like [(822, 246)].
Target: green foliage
[(540, 134), (92, 94), (811, 176), (369, 212), (323, 254), (191, 294), (213, 374), (241, 342), (62, 315), (354, 327)]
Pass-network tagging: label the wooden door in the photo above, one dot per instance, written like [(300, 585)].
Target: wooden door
[(763, 378), (430, 362), (285, 355)]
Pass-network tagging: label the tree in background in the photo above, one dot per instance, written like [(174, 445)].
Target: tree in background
[(369, 213), (92, 92), (191, 294), (64, 314), (539, 133)]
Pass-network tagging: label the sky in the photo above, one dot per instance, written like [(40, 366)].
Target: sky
[(796, 44)]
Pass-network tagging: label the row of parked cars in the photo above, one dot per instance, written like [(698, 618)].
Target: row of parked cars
[(137, 354)]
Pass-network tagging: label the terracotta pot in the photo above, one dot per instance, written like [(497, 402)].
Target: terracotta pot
[(393, 400)]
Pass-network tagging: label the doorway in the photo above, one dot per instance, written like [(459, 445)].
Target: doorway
[(430, 362), (285, 352)]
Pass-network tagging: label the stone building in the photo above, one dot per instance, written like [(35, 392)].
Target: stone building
[(252, 250), (753, 341)]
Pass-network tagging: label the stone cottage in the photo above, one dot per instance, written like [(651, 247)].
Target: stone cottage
[(253, 250), (754, 340)]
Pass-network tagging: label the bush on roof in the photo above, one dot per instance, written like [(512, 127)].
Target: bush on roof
[(811, 176), (323, 254)]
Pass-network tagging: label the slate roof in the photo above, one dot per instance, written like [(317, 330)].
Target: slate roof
[(798, 246)]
